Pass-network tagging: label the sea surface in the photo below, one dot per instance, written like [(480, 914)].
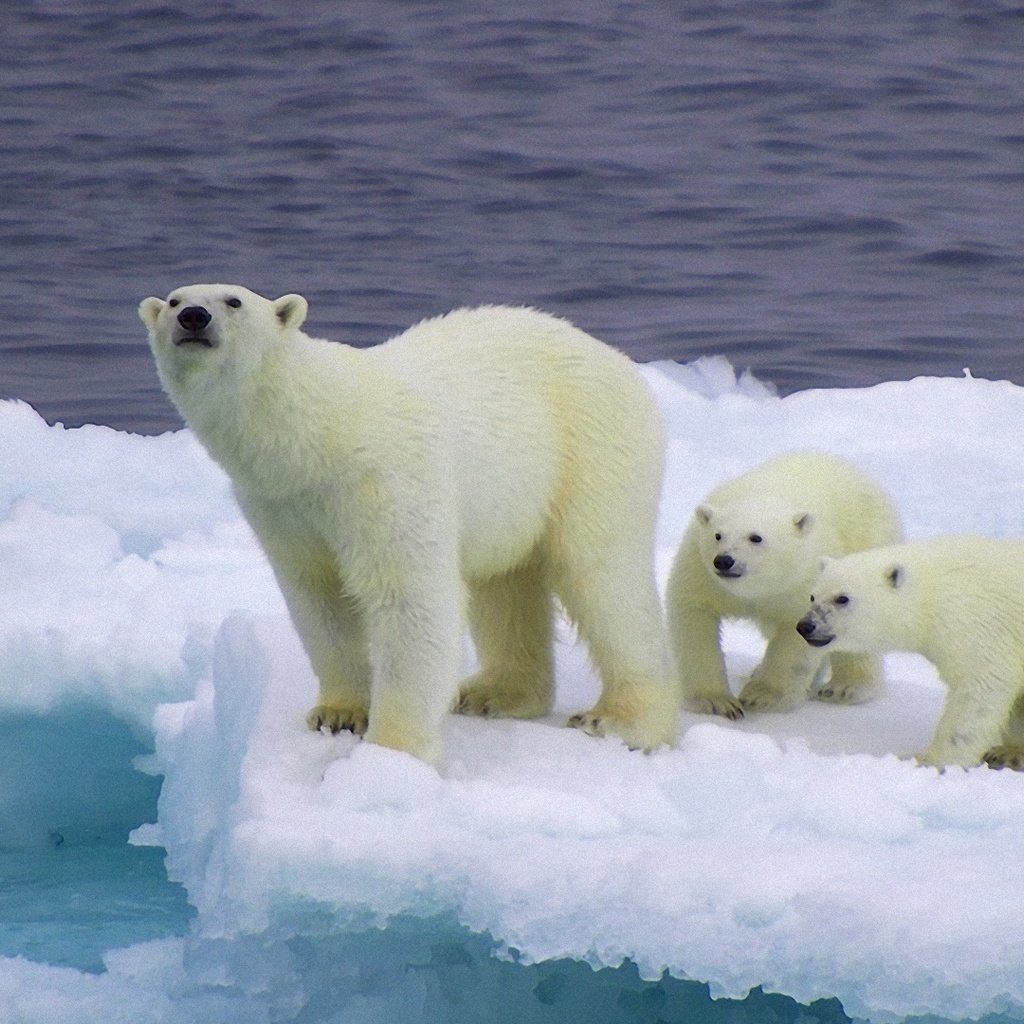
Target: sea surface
[(829, 193)]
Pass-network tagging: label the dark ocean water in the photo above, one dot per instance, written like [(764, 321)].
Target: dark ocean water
[(831, 193)]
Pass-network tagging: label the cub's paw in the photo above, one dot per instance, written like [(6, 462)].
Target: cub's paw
[(1005, 756), (761, 696), (723, 704), (847, 693), (338, 718)]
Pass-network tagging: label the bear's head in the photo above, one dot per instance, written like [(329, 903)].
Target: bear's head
[(757, 548), (857, 603), (202, 327)]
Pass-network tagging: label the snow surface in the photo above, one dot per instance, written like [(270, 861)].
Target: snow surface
[(798, 852)]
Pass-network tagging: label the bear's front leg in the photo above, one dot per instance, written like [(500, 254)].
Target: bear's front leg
[(700, 666), (971, 725), (782, 680), (1010, 753), (332, 632), (855, 679), (326, 617), (416, 653)]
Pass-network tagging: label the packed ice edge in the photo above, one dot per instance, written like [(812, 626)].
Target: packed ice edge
[(798, 853)]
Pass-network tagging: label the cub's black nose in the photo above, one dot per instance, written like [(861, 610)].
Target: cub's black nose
[(194, 318), (805, 627), (723, 563)]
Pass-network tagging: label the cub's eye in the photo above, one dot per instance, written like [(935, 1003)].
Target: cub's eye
[(173, 302), (718, 536), (841, 599), (233, 302), (755, 538)]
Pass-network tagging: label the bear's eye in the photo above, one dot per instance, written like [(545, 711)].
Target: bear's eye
[(755, 538), (718, 536), (841, 599), (233, 302), (173, 302)]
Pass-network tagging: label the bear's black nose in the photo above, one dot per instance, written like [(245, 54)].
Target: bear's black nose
[(805, 627), (194, 318), (723, 563)]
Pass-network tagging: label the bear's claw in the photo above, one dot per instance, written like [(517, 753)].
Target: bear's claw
[(337, 720), (726, 706), (1005, 756)]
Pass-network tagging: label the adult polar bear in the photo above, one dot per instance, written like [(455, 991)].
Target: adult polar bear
[(500, 452)]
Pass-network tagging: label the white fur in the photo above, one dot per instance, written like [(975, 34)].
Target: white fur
[(774, 523), (959, 601), (482, 461)]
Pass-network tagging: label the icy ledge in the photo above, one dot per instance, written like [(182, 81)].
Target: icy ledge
[(733, 858)]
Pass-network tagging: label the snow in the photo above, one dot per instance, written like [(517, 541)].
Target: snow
[(335, 880)]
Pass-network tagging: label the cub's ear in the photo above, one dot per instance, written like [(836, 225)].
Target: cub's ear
[(291, 311), (149, 310), (803, 521), (704, 514), (823, 562), (895, 576)]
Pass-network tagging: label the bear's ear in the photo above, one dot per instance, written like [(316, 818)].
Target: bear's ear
[(803, 521), (823, 562), (895, 576), (291, 311), (150, 309), (704, 514)]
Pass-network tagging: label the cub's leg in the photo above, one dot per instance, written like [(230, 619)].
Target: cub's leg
[(1010, 753), (782, 680), (971, 724), (855, 679)]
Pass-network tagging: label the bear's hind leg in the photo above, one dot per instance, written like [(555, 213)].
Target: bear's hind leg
[(855, 679), (616, 610), (510, 617)]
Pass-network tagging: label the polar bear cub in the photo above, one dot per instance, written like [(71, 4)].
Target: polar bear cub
[(751, 552), (959, 601), (483, 462)]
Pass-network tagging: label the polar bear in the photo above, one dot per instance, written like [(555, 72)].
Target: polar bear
[(959, 601), (478, 465), (751, 552)]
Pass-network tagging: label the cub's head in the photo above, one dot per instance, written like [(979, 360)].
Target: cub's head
[(203, 326), (757, 548), (857, 603)]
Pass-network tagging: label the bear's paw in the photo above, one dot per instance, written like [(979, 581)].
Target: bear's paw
[(723, 704), (761, 695), (338, 718), (497, 693), (1005, 756), (846, 693), (643, 727)]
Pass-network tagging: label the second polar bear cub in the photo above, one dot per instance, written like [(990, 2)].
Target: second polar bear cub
[(957, 600), (752, 552), (485, 462)]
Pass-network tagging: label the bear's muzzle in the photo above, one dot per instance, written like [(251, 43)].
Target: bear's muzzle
[(808, 629)]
